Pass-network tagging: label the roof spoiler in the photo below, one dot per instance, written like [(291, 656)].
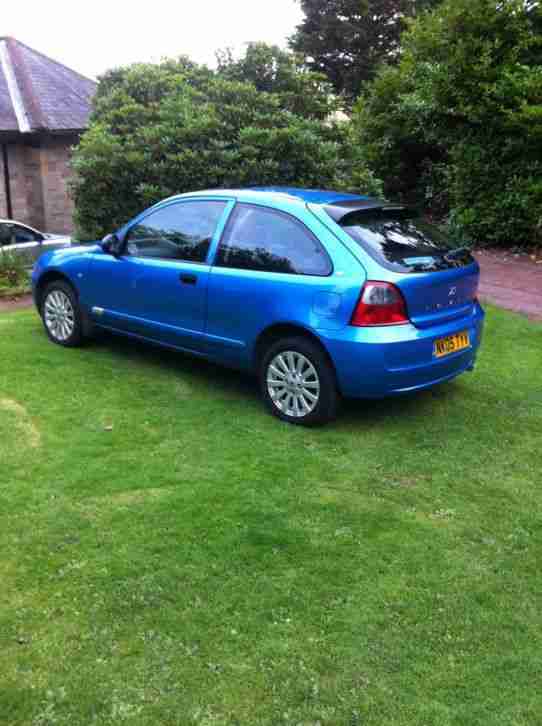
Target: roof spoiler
[(340, 210)]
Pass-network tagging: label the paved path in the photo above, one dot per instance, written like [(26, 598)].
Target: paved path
[(511, 282), (22, 302)]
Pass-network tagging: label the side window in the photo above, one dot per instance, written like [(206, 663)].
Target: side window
[(23, 234), (6, 234), (257, 238), (178, 232)]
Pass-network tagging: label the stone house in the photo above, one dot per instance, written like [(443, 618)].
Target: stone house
[(44, 107)]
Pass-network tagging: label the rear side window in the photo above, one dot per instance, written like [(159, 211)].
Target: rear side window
[(263, 239), (5, 234), (403, 242), (177, 232), (11, 234), (22, 235)]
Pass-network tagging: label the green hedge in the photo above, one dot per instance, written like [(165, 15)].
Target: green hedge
[(456, 126), (159, 130)]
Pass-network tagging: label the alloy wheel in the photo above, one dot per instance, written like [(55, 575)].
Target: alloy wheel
[(293, 384), (59, 315)]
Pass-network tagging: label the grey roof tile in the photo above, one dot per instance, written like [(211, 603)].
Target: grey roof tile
[(54, 97), (8, 120)]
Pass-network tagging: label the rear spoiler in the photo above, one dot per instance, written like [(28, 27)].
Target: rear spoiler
[(340, 210)]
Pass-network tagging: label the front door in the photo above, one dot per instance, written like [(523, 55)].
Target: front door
[(157, 288), (269, 267)]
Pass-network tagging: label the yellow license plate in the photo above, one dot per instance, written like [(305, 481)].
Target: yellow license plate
[(451, 344)]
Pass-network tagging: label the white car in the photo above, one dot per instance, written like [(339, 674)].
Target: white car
[(27, 241)]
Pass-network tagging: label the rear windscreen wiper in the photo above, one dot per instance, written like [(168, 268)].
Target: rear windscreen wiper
[(454, 254)]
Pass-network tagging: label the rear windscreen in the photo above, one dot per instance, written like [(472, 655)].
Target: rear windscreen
[(402, 242)]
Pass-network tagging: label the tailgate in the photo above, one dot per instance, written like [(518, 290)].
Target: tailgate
[(433, 298)]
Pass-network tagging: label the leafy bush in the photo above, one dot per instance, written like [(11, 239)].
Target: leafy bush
[(160, 130), (305, 93), (14, 275), (456, 126)]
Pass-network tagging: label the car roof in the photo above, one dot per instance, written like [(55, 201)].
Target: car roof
[(279, 193), (21, 224)]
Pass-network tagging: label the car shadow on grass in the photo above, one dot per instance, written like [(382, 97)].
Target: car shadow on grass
[(197, 370), (400, 406), (244, 386)]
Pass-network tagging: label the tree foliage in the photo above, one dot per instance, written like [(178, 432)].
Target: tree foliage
[(159, 130), (457, 124), (346, 40), (272, 70)]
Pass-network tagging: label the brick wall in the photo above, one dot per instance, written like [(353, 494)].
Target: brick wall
[(39, 173), (31, 186), (19, 177), (55, 175)]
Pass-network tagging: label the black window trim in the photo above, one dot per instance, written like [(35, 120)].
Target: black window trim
[(176, 202), (280, 213)]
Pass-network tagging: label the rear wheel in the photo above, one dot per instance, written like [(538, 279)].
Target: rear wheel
[(61, 314), (298, 382)]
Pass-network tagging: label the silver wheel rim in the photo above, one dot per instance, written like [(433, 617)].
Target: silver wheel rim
[(293, 384), (58, 315)]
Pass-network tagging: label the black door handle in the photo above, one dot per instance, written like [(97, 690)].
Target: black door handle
[(188, 279)]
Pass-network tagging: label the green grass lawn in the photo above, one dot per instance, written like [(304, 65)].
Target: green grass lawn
[(171, 554)]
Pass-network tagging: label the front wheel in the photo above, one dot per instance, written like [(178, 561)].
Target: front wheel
[(298, 382), (61, 314)]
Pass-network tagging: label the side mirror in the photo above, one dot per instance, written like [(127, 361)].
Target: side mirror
[(112, 244)]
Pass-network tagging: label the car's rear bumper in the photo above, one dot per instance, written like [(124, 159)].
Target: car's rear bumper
[(382, 361)]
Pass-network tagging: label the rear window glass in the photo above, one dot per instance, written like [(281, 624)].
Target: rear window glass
[(404, 242)]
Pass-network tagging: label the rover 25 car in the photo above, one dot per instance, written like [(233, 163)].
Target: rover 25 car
[(321, 294)]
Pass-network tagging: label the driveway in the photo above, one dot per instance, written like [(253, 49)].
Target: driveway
[(7, 304), (511, 282)]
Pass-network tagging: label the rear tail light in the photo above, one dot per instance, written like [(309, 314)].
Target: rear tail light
[(380, 303)]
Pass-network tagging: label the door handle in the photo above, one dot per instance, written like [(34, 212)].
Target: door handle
[(188, 279)]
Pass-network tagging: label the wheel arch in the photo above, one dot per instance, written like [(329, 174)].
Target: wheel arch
[(51, 276), (46, 279), (275, 332)]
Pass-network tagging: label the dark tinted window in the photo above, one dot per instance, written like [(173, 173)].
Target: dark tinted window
[(5, 234), (23, 234), (403, 242), (178, 232), (11, 234), (263, 239)]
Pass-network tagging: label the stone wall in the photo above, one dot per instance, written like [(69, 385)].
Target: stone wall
[(39, 172), (24, 177), (55, 175)]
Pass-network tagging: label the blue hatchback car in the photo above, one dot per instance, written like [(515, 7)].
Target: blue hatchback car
[(321, 294)]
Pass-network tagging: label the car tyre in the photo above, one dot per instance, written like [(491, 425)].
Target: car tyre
[(61, 314), (298, 382)]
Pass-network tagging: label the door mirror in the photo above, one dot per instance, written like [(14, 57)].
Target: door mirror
[(112, 244)]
